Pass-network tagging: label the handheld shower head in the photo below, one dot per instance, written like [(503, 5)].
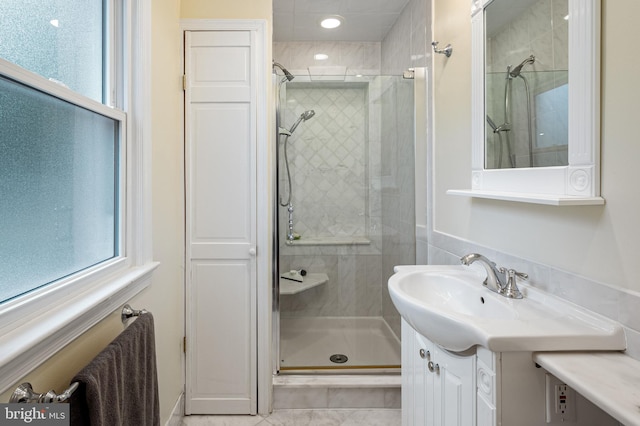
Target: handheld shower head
[(492, 124), (497, 129), (515, 72), (287, 74), (303, 117)]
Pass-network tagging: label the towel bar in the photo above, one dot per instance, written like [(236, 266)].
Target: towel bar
[(128, 312), (25, 394)]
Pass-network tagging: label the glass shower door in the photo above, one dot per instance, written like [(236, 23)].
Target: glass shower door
[(346, 217)]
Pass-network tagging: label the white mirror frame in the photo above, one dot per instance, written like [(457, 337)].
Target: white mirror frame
[(575, 184)]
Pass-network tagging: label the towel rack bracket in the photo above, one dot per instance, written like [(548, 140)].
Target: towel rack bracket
[(128, 312), (25, 394)]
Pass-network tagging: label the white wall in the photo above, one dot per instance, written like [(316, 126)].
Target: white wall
[(585, 254)]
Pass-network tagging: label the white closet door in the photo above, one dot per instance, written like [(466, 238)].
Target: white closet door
[(220, 126)]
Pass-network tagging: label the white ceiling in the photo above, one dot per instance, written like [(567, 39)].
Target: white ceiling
[(364, 20)]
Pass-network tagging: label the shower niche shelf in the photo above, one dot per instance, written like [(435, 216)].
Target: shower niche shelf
[(330, 241), (310, 281)]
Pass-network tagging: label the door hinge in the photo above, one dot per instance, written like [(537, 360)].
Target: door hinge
[(184, 82), (184, 344)]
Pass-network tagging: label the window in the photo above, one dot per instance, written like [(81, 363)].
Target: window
[(63, 41), (74, 210), (59, 186), (59, 166)]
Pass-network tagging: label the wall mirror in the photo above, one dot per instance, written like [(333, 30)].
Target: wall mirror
[(536, 88)]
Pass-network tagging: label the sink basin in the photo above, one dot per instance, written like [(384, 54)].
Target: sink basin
[(450, 306)]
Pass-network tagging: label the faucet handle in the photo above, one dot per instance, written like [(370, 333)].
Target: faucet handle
[(511, 289), (521, 275)]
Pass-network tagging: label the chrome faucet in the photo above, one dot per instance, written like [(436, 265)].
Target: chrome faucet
[(500, 280)]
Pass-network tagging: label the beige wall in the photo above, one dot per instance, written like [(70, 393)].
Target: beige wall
[(599, 243), (166, 296), (226, 9)]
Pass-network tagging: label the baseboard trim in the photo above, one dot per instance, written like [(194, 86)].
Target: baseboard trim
[(175, 418)]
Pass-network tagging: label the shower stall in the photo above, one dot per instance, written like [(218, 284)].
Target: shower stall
[(345, 217)]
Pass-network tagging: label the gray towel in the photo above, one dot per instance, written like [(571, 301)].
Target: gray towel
[(119, 387)]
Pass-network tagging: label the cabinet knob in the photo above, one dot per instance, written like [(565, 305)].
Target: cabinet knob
[(424, 354), (433, 367), (252, 251)]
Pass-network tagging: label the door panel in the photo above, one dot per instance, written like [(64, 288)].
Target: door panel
[(222, 361), (221, 167), (220, 152)]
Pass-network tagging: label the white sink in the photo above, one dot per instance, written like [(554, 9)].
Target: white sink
[(450, 306)]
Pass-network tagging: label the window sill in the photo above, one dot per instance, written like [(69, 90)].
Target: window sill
[(29, 344)]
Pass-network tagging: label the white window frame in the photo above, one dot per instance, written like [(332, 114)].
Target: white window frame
[(35, 326)]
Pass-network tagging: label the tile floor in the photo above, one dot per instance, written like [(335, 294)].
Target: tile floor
[(358, 417)]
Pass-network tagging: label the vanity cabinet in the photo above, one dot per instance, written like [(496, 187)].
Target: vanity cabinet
[(438, 387), (477, 388)]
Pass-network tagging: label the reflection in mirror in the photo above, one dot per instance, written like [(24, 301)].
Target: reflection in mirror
[(526, 83)]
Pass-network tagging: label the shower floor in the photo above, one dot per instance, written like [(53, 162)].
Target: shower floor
[(307, 344)]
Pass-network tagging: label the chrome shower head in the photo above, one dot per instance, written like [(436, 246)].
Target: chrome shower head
[(303, 117), (287, 74), (515, 72), (497, 129)]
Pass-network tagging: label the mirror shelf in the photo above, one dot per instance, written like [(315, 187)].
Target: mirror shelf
[(546, 199), (577, 183)]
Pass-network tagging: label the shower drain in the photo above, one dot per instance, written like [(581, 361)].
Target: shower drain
[(338, 358)]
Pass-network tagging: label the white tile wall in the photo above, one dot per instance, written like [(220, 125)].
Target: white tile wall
[(359, 57), (328, 160), (406, 43), (331, 160), (541, 30)]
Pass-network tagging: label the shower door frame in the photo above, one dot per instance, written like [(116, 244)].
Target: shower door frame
[(277, 82)]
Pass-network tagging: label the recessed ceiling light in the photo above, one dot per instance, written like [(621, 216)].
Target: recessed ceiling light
[(55, 23), (320, 56), (331, 22)]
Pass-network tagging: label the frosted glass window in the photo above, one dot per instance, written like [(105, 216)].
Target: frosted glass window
[(58, 186), (61, 40)]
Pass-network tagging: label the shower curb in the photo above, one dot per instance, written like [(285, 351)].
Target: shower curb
[(341, 391)]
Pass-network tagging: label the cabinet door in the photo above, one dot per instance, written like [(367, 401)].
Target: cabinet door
[(438, 387), (454, 395), (417, 383), (424, 383), (414, 392)]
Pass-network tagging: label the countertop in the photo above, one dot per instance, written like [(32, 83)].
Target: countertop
[(610, 380)]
